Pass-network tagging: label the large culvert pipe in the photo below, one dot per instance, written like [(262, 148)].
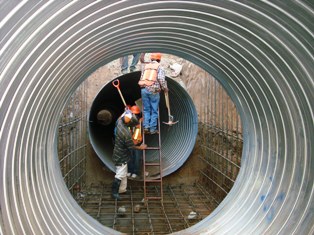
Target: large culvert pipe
[(260, 51), (177, 141)]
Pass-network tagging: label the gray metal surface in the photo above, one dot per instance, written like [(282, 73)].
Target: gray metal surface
[(260, 51), (177, 141)]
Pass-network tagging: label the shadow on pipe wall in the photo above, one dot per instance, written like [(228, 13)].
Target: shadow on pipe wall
[(177, 141)]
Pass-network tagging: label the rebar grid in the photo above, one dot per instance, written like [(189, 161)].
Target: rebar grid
[(182, 207), (72, 140), (220, 140)]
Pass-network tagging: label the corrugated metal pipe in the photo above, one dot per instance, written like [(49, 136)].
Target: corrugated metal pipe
[(177, 140), (260, 51)]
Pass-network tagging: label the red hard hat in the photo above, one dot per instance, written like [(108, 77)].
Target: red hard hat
[(155, 56), (135, 109)]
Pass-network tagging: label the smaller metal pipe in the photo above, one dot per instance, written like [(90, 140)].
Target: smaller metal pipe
[(177, 141)]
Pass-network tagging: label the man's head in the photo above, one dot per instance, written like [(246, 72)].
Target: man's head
[(155, 57), (127, 116)]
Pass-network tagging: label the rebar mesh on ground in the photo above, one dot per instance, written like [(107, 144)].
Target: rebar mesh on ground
[(182, 207)]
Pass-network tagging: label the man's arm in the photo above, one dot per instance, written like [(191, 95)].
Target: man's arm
[(161, 76), (141, 147), (130, 144)]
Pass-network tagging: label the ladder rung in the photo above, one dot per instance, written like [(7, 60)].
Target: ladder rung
[(152, 164), (152, 148), (148, 179)]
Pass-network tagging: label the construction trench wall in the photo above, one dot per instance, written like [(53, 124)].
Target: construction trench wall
[(261, 52), (73, 142)]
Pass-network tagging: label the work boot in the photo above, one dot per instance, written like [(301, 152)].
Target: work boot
[(132, 70), (115, 189), (153, 132)]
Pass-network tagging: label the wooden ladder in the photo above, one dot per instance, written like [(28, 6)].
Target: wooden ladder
[(148, 179)]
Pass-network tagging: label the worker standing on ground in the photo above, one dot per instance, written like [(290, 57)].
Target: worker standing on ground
[(134, 163), (152, 81), (124, 62), (121, 152)]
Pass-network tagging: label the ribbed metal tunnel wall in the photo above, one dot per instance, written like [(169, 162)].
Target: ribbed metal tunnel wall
[(260, 51)]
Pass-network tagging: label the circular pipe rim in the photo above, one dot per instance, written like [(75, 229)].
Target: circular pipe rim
[(261, 52)]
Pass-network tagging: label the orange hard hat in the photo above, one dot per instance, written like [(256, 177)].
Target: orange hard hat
[(155, 56), (135, 109)]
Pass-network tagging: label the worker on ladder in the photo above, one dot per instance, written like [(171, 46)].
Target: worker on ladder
[(136, 131), (152, 81), (121, 152)]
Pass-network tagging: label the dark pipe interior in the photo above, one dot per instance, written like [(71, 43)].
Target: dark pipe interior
[(177, 140)]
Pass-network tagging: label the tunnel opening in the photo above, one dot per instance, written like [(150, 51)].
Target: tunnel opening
[(177, 140), (193, 190), (260, 51)]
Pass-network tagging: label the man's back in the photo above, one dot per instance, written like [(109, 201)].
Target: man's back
[(123, 143)]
